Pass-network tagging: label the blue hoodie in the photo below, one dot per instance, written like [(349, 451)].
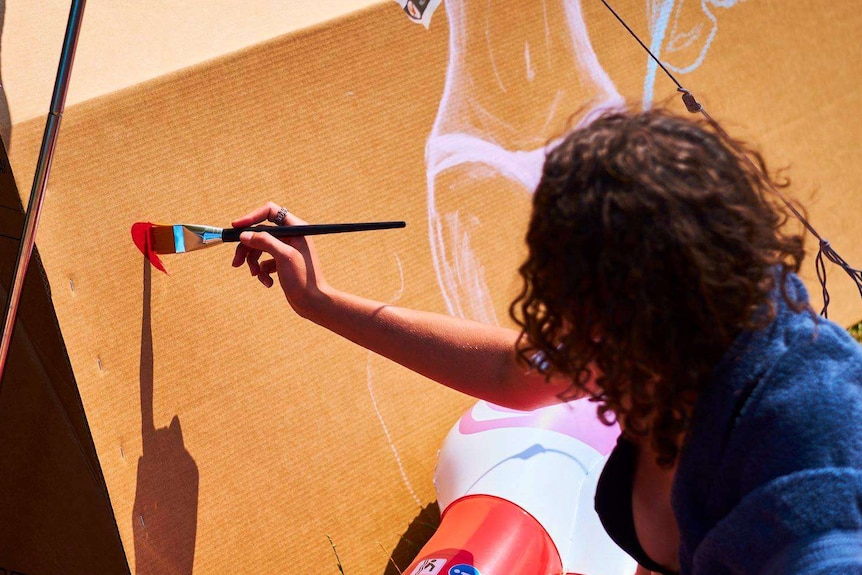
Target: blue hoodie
[(770, 481)]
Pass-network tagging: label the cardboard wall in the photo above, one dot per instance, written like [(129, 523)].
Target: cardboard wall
[(233, 435), (55, 515)]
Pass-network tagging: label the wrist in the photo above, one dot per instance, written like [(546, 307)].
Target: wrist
[(316, 304)]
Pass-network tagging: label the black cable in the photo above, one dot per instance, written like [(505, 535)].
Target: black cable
[(825, 250), (644, 46)]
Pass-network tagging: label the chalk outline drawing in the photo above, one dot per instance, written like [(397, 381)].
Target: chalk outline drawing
[(664, 19), (369, 383), (454, 142)]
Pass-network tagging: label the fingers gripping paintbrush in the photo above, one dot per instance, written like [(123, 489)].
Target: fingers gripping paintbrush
[(154, 239)]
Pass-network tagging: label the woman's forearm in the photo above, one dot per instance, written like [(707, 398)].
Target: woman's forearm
[(470, 357), (467, 356)]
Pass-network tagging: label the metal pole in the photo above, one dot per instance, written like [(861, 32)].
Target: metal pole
[(40, 181)]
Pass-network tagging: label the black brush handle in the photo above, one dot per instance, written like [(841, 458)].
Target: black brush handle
[(232, 234)]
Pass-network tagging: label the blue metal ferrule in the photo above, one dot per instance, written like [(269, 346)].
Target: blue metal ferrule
[(179, 240)]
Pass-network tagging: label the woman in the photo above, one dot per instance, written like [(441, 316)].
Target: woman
[(660, 282)]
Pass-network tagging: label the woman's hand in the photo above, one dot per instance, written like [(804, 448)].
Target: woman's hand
[(294, 260)]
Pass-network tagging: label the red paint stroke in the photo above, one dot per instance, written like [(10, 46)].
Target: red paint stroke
[(142, 235)]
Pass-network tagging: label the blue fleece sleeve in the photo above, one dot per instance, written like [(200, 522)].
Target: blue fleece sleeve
[(773, 481), (808, 522), (834, 552)]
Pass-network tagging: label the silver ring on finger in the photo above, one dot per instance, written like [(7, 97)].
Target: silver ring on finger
[(279, 216)]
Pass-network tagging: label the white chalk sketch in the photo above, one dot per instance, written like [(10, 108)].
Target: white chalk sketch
[(682, 33), (369, 382), (492, 129), (369, 379)]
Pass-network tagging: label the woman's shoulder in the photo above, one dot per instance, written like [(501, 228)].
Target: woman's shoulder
[(818, 358), (788, 465), (803, 411), (807, 354)]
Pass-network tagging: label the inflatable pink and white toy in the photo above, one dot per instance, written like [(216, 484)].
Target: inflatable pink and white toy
[(516, 494)]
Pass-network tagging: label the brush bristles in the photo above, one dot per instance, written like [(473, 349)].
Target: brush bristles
[(162, 238), (183, 238)]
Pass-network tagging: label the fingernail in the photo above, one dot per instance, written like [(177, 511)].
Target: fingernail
[(245, 236)]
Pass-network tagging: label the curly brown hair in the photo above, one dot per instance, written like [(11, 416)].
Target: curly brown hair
[(653, 240)]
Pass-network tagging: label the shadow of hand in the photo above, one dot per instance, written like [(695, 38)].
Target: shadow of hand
[(164, 519)]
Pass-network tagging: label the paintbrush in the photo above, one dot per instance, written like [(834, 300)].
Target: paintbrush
[(155, 239), (180, 238)]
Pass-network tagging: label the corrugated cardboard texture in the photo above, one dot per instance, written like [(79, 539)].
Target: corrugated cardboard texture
[(234, 436), (55, 516)]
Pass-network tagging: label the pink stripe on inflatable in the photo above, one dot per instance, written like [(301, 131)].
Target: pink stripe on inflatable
[(577, 419)]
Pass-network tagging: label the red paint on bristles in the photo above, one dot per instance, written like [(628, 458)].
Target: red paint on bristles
[(142, 235)]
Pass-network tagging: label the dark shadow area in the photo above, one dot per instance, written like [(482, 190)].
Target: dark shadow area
[(55, 513), (420, 530), (165, 515)]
